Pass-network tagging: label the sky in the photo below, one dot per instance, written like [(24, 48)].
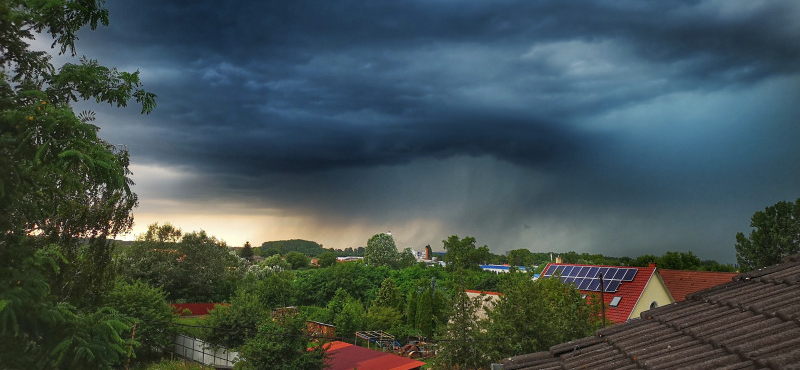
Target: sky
[(616, 127)]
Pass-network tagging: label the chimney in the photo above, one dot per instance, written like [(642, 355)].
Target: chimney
[(651, 264), (428, 252), (559, 259)]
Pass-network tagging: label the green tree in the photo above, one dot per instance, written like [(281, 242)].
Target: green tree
[(461, 347), (680, 261), (462, 254), (326, 259), (350, 319), (247, 252), (520, 257), (297, 260), (407, 258), (281, 345), (381, 251), (775, 233), (191, 267), (532, 316), (148, 307), (60, 185)]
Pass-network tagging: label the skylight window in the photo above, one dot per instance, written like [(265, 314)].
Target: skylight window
[(615, 302)]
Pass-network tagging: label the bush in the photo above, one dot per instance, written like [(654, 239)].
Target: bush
[(149, 308)]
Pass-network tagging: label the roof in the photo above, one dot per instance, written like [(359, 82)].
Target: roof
[(681, 282), (752, 322), (628, 291), (345, 356)]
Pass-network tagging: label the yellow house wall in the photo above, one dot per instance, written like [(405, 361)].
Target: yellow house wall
[(655, 290)]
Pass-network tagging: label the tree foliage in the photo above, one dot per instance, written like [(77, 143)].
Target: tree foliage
[(532, 316), (281, 345), (148, 308), (462, 254), (297, 260), (381, 251), (63, 192), (775, 233), (462, 336), (191, 267), (247, 252)]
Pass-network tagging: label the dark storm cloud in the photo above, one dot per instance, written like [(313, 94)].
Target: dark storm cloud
[(582, 116), (365, 83)]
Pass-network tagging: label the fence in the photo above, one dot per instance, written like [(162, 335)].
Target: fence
[(198, 351)]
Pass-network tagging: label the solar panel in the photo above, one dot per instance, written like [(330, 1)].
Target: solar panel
[(620, 273), (584, 271), (550, 270), (594, 286), (610, 273), (630, 274), (585, 284), (593, 272), (559, 269), (567, 271), (602, 271), (612, 286), (578, 282)]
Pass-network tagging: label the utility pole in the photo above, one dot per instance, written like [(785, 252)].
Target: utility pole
[(603, 299)]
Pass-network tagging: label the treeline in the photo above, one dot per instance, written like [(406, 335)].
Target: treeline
[(307, 247)]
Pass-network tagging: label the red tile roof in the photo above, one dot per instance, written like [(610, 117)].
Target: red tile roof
[(629, 291), (680, 282), (345, 356)]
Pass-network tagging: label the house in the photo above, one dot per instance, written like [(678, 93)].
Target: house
[(627, 291), (752, 322), (501, 269), (681, 282), (489, 300), (346, 356)]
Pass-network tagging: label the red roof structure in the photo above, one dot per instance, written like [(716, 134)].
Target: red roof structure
[(629, 292), (681, 282), (345, 356)]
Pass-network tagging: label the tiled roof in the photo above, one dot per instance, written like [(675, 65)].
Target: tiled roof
[(752, 322), (345, 356), (681, 282), (629, 291)]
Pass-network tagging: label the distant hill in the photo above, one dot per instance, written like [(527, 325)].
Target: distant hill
[(306, 247)]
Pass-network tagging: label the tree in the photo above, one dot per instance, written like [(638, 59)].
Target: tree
[(532, 316), (775, 233), (520, 257), (192, 267), (407, 258), (326, 259), (381, 251), (246, 252), (63, 192), (460, 348), (297, 260), (680, 261), (462, 254), (282, 345), (148, 307)]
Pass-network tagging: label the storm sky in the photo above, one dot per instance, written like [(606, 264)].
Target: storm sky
[(614, 127)]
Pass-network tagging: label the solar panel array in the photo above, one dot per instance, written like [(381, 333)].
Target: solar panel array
[(588, 277)]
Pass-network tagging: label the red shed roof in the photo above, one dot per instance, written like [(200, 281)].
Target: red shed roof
[(628, 291), (345, 356), (680, 282)]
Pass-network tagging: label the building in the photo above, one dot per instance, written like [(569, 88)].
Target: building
[(501, 269), (752, 322), (346, 356), (681, 282), (627, 291), (489, 300)]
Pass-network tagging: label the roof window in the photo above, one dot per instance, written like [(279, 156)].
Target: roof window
[(615, 302)]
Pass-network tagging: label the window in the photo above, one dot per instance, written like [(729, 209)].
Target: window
[(615, 302), (653, 305)]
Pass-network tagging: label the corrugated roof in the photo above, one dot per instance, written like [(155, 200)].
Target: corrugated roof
[(681, 282), (345, 356), (752, 322), (629, 292)]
